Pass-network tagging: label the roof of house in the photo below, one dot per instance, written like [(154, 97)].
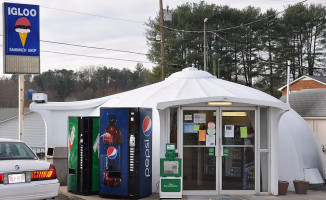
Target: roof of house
[(320, 79), (308, 102), (9, 113)]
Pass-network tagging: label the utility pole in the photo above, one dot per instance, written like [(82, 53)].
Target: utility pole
[(21, 106), (214, 67), (218, 67), (162, 40), (205, 64), (288, 83)]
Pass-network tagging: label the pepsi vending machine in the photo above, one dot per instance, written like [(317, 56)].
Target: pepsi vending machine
[(126, 152)]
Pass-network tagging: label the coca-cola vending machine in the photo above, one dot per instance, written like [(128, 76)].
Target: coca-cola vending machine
[(126, 152)]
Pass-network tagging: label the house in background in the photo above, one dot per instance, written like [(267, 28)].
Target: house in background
[(305, 82), (308, 98), (34, 127)]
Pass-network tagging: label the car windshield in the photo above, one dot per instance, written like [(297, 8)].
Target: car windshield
[(15, 151)]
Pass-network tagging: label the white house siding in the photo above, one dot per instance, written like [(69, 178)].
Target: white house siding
[(318, 125), (34, 129)]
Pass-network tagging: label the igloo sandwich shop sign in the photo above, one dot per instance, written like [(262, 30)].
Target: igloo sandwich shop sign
[(21, 38)]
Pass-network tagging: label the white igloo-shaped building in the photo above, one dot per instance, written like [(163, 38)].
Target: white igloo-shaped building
[(227, 135)]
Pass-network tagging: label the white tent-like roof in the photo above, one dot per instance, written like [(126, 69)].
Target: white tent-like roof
[(188, 86), (191, 86)]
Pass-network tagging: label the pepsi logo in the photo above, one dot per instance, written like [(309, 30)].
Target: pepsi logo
[(112, 153), (147, 126)]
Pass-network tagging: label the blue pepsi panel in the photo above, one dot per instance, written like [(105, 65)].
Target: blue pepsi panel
[(145, 171), (114, 127), (22, 29)]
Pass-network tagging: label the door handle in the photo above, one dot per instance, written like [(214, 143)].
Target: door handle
[(218, 143), (222, 147)]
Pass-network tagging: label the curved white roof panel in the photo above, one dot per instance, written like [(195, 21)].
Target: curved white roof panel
[(191, 86), (73, 105)]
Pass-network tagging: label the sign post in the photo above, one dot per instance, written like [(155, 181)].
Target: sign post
[(21, 47), (21, 90)]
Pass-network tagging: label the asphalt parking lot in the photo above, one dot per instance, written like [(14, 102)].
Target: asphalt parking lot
[(65, 197), (312, 194)]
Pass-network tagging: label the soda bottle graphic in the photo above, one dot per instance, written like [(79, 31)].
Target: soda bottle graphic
[(112, 140), (71, 151), (112, 134)]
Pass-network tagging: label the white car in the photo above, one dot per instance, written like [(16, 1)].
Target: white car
[(23, 175)]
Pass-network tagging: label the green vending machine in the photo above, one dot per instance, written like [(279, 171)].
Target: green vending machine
[(83, 155), (170, 172)]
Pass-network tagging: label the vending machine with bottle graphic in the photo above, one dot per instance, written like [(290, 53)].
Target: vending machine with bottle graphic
[(83, 155), (126, 152)]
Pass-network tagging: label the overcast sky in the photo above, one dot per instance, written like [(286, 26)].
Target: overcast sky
[(61, 21)]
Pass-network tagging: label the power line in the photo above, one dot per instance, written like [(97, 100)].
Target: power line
[(262, 60), (234, 27), (94, 15), (229, 43), (90, 14), (80, 55), (174, 29), (106, 58), (91, 47), (258, 20)]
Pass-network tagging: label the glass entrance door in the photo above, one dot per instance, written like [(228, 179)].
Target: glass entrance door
[(238, 150), (199, 160)]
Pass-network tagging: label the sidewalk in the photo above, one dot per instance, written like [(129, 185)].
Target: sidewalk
[(314, 194)]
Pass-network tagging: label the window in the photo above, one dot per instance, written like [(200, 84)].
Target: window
[(264, 150), (174, 126), (15, 150)]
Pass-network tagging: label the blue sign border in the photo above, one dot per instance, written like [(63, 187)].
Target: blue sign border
[(13, 43)]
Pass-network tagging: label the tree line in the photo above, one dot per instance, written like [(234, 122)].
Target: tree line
[(68, 85), (246, 45)]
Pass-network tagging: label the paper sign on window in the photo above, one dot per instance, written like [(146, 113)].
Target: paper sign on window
[(211, 151), (226, 152), (188, 117), (189, 128), (243, 132), (211, 131), (229, 131), (210, 140), (202, 135), (199, 118), (211, 125)]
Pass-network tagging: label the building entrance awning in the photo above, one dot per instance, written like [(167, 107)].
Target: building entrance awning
[(249, 102)]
